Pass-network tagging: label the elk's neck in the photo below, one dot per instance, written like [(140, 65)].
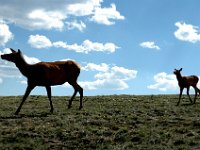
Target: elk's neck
[(23, 66)]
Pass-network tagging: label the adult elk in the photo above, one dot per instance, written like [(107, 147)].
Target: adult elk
[(186, 82), (46, 74)]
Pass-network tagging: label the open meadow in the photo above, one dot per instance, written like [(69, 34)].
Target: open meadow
[(105, 122)]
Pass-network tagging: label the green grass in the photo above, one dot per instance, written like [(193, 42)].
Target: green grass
[(105, 122)]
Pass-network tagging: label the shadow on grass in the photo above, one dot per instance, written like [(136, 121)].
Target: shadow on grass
[(38, 115), (188, 104)]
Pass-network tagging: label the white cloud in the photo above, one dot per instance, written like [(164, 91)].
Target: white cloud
[(23, 82), (187, 32), (45, 14), (84, 8), (114, 84), (106, 15), (88, 46), (164, 82), (76, 25), (5, 34), (39, 41), (31, 60), (149, 44), (108, 77), (60, 44), (1, 80), (46, 19), (94, 67)]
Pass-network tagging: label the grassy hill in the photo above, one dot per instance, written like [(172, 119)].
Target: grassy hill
[(105, 122)]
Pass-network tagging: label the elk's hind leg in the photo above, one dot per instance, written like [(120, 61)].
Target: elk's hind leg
[(48, 88), (70, 101), (79, 89), (28, 90)]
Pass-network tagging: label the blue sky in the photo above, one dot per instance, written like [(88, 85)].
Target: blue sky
[(123, 47)]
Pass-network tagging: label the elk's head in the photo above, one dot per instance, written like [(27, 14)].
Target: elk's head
[(177, 72), (14, 56)]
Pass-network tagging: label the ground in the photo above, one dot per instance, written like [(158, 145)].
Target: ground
[(105, 122)]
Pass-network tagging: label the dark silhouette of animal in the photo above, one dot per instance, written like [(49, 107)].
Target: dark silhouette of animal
[(46, 74), (186, 82)]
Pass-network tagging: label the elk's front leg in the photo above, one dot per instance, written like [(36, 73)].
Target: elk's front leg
[(48, 88), (28, 90)]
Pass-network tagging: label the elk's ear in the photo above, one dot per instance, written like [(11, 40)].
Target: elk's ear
[(19, 51), (181, 69), (12, 50)]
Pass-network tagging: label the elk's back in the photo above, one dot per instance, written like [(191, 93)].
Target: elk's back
[(54, 73)]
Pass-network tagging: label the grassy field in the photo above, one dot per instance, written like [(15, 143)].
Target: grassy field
[(105, 122)]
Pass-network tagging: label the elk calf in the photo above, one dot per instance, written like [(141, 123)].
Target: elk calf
[(186, 82), (46, 74)]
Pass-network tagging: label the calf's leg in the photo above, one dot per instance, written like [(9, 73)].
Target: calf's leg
[(181, 91), (188, 89), (196, 91)]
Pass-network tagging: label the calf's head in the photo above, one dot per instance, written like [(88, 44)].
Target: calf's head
[(177, 72)]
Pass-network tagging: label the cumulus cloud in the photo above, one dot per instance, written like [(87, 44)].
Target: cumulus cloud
[(45, 14), (76, 25), (106, 15), (164, 82), (40, 41), (149, 44), (187, 32), (5, 34), (31, 60), (108, 77), (49, 19), (88, 46), (83, 8), (96, 67)]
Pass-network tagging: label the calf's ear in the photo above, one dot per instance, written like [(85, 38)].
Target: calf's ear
[(19, 51)]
